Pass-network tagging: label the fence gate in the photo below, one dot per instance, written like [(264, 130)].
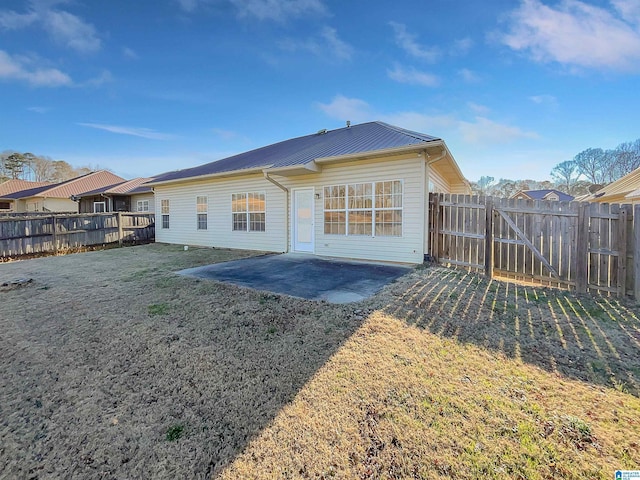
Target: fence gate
[(574, 245)]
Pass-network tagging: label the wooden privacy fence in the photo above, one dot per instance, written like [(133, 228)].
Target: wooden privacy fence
[(39, 234), (577, 245)]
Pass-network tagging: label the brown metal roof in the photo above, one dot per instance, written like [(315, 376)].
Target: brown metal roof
[(16, 185), (121, 188), (75, 186)]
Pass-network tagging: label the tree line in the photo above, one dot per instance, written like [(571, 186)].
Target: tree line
[(37, 168), (587, 172)]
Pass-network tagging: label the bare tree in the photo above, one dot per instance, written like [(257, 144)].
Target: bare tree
[(566, 175), (591, 164)]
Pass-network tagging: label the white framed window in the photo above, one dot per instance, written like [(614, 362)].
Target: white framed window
[(201, 212), (164, 211), (99, 207), (248, 211), (142, 206), (369, 209)]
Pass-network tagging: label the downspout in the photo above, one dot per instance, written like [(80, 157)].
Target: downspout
[(428, 161), (109, 203), (286, 193)]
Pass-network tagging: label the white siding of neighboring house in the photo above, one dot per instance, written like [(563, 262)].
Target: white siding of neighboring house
[(143, 196), (219, 233), (409, 248)]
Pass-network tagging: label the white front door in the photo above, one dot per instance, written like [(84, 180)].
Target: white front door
[(303, 220)]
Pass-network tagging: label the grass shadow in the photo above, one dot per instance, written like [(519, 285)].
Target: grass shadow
[(588, 337)]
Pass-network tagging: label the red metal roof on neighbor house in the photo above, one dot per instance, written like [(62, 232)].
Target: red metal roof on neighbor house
[(122, 188), (16, 185), (75, 186)]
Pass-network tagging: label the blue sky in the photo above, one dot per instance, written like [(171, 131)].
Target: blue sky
[(513, 86)]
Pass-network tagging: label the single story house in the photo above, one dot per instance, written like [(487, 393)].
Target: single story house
[(12, 186), (624, 190), (544, 194), (357, 192), (127, 196), (58, 197)]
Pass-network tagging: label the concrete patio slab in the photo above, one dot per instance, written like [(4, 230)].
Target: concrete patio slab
[(305, 276)]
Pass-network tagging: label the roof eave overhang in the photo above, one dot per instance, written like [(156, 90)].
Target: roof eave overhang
[(414, 148), (295, 170), (231, 173)]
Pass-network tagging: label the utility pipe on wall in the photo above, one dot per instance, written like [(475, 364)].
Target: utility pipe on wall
[(287, 216)]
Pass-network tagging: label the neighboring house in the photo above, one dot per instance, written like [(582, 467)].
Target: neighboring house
[(58, 197), (545, 194), (357, 192), (127, 196), (624, 190), (12, 186)]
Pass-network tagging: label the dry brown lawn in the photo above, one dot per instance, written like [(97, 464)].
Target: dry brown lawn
[(112, 366)]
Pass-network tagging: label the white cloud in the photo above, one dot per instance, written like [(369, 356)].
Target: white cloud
[(129, 53), (477, 108), (40, 110), (462, 46), (327, 45), (544, 99), (482, 130), (343, 108), (229, 135), (71, 31), (10, 20), (65, 28), (23, 68), (104, 77), (278, 10), (577, 34), (407, 41), (188, 5), (469, 76), (412, 76), (133, 131), (337, 47), (629, 9), (479, 131)]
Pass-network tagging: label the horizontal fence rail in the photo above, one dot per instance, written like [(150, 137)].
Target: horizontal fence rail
[(21, 235), (576, 245)]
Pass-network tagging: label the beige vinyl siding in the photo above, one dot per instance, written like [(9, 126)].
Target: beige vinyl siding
[(183, 216), (40, 204), (406, 249), (143, 196), (439, 184)]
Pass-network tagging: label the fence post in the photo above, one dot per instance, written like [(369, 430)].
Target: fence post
[(54, 233), (582, 249), (622, 250), (120, 229), (636, 252), (488, 238), (435, 222)]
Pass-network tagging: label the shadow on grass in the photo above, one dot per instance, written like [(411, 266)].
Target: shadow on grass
[(590, 338)]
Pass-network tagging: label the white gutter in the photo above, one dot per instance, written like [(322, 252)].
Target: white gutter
[(286, 194)]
